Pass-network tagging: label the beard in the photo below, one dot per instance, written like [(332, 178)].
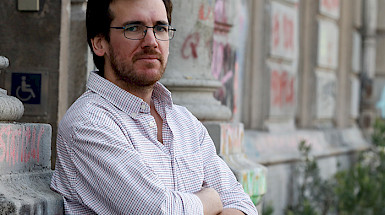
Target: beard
[(126, 72)]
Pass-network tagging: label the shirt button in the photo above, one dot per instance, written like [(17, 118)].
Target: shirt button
[(152, 124), (143, 107), (134, 115)]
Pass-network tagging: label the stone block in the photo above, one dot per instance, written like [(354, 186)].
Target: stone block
[(330, 8), (29, 193), (283, 91), (24, 147), (284, 31), (328, 43), (25, 170), (326, 87)]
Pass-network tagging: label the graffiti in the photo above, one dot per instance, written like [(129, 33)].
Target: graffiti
[(330, 4), (205, 12), (190, 45), (20, 145), (326, 94), (232, 136), (220, 11), (282, 88), (224, 69), (330, 7), (283, 31), (288, 30)]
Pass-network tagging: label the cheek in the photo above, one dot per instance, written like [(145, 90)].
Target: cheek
[(165, 51)]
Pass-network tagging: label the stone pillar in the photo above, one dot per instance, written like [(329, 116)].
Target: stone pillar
[(11, 108), (188, 74), (369, 64), (25, 161)]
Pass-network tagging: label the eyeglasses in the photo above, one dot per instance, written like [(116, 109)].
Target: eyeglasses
[(139, 31)]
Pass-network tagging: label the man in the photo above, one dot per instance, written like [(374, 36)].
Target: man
[(123, 146)]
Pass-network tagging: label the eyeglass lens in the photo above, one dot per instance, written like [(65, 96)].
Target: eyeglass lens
[(137, 31)]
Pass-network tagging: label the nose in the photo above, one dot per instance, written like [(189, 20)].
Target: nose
[(149, 39)]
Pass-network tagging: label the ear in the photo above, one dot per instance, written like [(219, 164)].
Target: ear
[(99, 45)]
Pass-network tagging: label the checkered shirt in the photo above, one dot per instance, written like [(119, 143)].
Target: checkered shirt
[(109, 160)]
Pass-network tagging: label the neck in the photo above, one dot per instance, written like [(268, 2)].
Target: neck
[(143, 92)]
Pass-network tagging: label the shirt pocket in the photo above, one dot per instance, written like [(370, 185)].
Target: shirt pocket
[(190, 173)]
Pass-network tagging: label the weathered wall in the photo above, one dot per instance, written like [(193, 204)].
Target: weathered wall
[(33, 42)]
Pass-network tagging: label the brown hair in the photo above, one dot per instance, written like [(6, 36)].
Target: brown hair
[(98, 21)]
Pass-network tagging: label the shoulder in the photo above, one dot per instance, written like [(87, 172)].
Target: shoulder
[(89, 110)]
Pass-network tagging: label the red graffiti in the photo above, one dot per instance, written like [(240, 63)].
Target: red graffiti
[(283, 32), (282, 88), (331, 4), (190, 46), (288, 29), (203, 14), (220, 11), (21, 145), (276, 31)]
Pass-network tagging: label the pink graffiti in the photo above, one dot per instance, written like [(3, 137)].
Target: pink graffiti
[(283, 32), (276, 31), (282, 88), (204, 14), (220, 11), (21, 145), (288, 29), (190, 45), (331, 4)]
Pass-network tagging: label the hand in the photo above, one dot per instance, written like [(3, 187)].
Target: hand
[(212, 204), (231, 211)]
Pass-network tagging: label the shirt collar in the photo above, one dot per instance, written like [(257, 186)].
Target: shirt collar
[(124, 100)]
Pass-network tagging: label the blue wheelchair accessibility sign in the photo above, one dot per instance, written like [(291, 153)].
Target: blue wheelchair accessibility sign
[(26, 87)]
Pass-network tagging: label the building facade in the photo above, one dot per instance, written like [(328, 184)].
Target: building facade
[(280, 71)]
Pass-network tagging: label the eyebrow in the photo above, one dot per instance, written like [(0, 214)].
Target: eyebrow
[(142, 23)]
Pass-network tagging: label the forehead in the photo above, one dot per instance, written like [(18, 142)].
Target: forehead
[(147, 11)]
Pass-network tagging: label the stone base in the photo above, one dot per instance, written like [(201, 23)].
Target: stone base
[(29, 193)]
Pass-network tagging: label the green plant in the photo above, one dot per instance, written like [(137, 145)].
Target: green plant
[(361, 189), (358, 190), (316, 195)]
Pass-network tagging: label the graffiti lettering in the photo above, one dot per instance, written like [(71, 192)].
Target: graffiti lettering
[(220, 11), (282, 88), (204, 14), (288, 29), (190, 46), (331, 4), (20, 146), (283, 31)]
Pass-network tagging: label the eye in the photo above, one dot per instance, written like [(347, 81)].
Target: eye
[(133, 28), (161, 28)]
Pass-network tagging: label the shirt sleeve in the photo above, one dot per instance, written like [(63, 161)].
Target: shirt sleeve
[(219, 176), (108, 176)]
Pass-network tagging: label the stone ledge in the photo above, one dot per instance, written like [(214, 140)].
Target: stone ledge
[(29, 193), (282, 147)]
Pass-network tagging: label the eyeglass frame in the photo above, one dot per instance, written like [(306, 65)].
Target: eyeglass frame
[(170, 28)]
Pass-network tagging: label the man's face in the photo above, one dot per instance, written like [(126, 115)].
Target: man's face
[(137, 63)]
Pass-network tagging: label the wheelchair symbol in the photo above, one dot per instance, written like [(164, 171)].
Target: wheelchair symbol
[(26, 91)]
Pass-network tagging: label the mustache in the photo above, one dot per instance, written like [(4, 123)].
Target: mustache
[(148, 52)]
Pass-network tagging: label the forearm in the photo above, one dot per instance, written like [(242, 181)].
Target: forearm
[(231, 211), (211, 201)]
